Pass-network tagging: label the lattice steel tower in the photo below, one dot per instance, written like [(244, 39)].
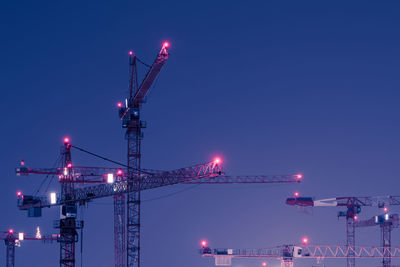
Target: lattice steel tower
[(130, 116)]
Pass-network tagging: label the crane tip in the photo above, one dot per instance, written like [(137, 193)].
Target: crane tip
[(165, 45)]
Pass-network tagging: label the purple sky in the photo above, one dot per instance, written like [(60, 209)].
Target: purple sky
[(273, 87)]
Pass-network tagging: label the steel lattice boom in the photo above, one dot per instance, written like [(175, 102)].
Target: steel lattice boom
[(151, 75), (208, 173), (82, 195), (377, 201), (99, 175), (256, 179), (287, 253)]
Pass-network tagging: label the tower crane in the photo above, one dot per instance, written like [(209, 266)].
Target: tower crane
[(70, 196), (288, 253), (387, 222), (11, 240), (129, 180), (105, 182), (129, 114), (353, 208)]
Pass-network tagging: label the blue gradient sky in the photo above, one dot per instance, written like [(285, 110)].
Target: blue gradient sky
[(275, 87)]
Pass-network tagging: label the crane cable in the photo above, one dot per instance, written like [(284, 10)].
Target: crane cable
[(144, 63), (110, 160), (156, 198), (47, 176)]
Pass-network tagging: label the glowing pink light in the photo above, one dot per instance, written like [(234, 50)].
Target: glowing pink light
[(19, 193), (130, 53), (385, 209), (119, 172), (305, 240), (22, 162), (69, 165), (217, 160), (203, 243), (66, 140), (264, 264), (119, 104), (11, 231), (355, 217), (165, 44), (296, 194), (299, 176)]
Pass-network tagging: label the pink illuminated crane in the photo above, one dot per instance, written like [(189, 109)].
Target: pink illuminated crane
[(12, 239), (71, 196), (130, 115), (125, 183), (96, 184), (287, 254), (353, 208)]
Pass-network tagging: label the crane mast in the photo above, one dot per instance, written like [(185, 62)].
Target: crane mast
[(387, 222), (133, 135), (67, 223), (119, 230), (350, 214), (10, 250), (386, 240), (131, 121)]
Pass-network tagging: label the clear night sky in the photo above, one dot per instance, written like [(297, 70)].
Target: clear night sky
[(273, 87)]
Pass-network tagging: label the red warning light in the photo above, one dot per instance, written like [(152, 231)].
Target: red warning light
[(165, 45), (305, 240), (19, 193), (203, 243), (66, 140), (11, 231), (119, 104), (217, 160), (385, 209)]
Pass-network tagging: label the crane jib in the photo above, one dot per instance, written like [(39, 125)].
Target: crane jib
[(83, 195), (150, 77)]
